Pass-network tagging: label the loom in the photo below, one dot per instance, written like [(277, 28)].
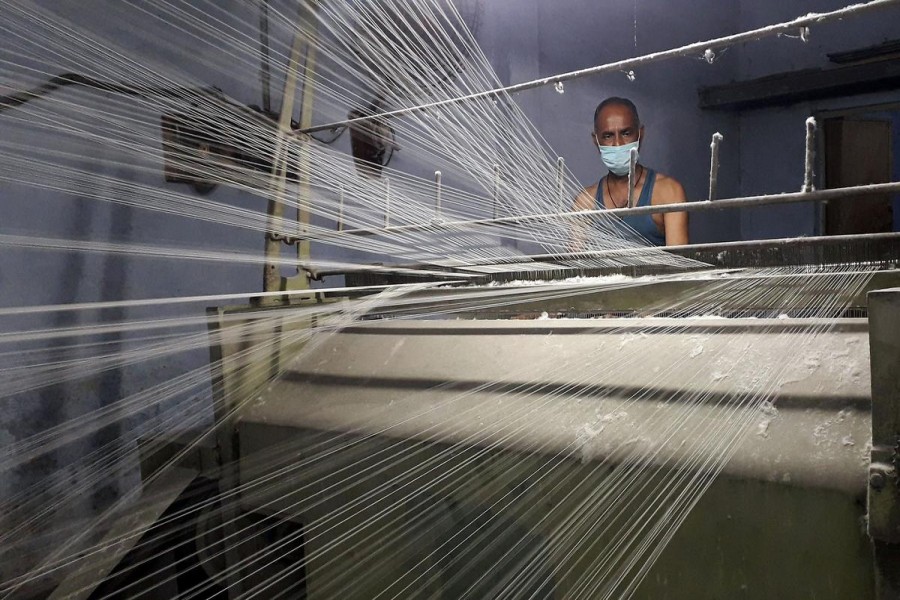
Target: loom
[(820, 463), (805, 505), (477, 446)]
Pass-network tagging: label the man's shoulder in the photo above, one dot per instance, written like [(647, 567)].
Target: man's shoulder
[(590, 190), (666, 180), (585, 198), (667, 189)]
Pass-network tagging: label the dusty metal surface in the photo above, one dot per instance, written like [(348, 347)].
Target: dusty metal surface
[(641, 296), (469, 381), (454, 414)]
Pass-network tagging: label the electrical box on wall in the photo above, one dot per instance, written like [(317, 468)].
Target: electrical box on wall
[(217, 142)]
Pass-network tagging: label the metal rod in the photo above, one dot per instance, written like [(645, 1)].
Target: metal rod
[(496, 188), (304, 191), (632, 165), (437, 194), (264, 70), (560, 177), (698, 206), (821, 208), (275, 209), (829, 240), (808, 184), (387, 202), (697, 48), (714, 164)]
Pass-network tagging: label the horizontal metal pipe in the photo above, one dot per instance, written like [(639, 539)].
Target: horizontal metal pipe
[(689, 50), (795, 242), (698, 206), (830, 240)]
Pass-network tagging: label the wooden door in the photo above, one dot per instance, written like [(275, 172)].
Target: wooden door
[(857, 152)]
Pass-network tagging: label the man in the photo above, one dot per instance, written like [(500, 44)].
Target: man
[(617, 129)]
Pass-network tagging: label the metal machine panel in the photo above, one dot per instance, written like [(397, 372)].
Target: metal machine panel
[(391, 441), (459, 381)]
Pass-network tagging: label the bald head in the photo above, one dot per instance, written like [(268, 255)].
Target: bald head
[(616, 123), (620, 102)]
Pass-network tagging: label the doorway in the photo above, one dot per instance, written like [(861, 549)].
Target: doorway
[(859, 150)]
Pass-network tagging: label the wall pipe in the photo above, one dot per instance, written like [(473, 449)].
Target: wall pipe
[(697, 48)]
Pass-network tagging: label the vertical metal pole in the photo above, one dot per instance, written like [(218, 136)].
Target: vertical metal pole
[(714, 164), (275, 210), (264, 75), (437, 191), (496, 188), (304, 192), (560, 177), (226, 431), (808, 185), (821, 207), (632, 163), (387, 202)]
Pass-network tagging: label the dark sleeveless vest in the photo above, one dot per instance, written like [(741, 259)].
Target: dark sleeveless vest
[(642, 224)]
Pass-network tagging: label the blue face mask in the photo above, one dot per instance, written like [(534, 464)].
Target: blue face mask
[(617, 158)]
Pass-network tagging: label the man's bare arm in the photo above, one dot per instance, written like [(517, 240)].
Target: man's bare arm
[(580, 227), (675, 224)]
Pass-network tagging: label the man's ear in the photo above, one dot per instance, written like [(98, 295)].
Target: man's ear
[(641, 135)]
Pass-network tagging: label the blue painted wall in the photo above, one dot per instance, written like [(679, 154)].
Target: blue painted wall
[(528, 39), (773, 139)]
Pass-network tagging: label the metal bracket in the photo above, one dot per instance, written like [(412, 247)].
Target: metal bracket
[(883, 505), (287, 239)]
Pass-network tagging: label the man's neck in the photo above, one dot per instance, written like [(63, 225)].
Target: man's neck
[(623, 179)]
